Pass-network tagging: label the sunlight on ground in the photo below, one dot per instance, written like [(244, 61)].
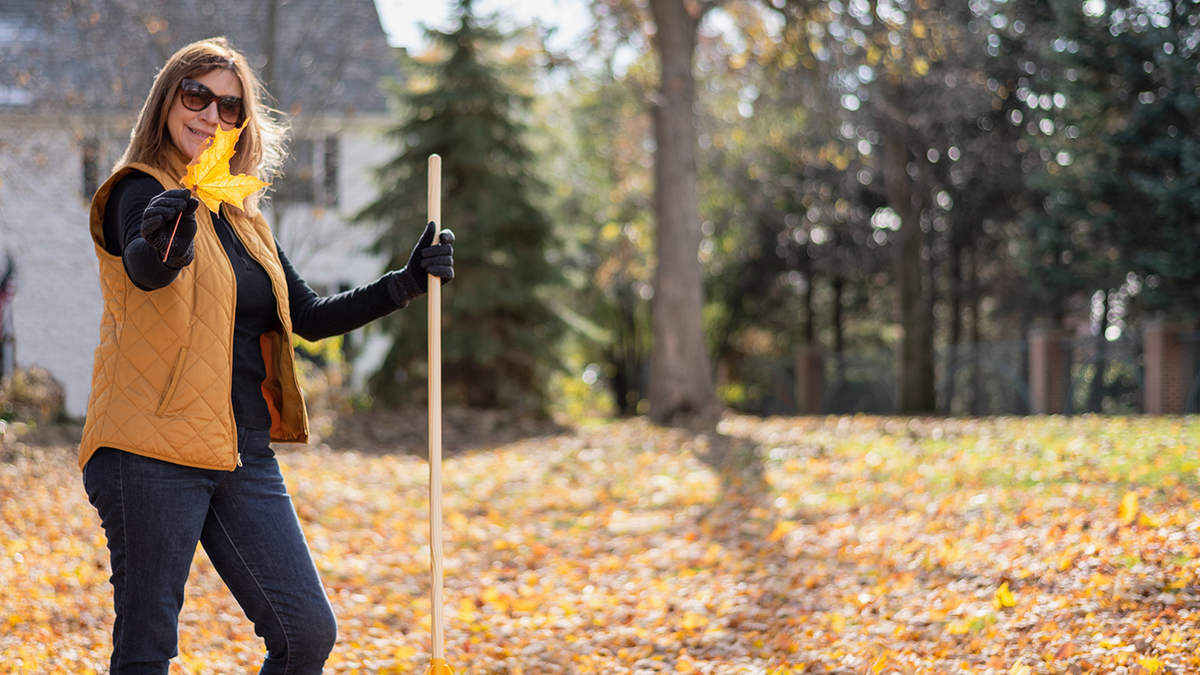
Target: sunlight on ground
[(886, 545)]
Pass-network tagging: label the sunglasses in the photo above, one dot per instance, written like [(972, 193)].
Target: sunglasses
[(197, 97)]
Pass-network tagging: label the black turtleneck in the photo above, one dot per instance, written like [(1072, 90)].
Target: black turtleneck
[(313, 317)]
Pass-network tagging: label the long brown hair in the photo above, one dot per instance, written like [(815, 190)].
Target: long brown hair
[(260, 148)]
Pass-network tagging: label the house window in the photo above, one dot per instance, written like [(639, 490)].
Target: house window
[(296, 184), (90, 153), (333, 159)]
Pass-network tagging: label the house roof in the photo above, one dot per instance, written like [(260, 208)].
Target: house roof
[(330, 56)]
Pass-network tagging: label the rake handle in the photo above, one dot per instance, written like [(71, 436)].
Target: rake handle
[(435, 415)]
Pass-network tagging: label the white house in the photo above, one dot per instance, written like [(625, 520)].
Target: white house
[(72, 78)]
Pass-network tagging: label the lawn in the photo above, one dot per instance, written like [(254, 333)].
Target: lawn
[(880, 545)]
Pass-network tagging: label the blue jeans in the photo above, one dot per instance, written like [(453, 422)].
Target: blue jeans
[(154, 513)]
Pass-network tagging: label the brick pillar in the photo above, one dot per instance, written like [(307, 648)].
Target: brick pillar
[(1166, 375), (1047, 371), (810, 379)]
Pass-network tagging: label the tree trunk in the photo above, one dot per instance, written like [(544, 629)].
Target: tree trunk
[(838, 321), (908, 196), (808, 329), (954, 339), (972, 289), (1096, 393), (681, 382)]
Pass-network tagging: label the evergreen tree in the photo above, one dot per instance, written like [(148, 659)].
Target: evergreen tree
[(1115, 112), (498, 333)]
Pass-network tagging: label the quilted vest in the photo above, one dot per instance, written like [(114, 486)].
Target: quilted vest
[(163, 374)]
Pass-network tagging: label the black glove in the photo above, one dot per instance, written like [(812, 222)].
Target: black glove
[(424, 260), (437, 260), (158, 221)]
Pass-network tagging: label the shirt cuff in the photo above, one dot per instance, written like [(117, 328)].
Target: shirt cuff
[(403, 287)]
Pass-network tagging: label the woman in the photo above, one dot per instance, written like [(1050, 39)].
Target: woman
[(194, 376)]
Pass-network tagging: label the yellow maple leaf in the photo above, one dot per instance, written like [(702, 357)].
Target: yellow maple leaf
[(1127, 512), (208, 174), (1150, 665), (1004, 597)]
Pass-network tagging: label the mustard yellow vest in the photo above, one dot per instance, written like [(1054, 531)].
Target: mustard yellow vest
[(163, 375)]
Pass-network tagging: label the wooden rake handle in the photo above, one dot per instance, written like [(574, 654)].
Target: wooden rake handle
[(435, 415)]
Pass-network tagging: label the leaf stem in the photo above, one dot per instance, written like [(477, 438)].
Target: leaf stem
[(170, 241)]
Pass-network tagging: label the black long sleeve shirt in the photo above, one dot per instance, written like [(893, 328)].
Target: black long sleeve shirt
[(313, 317)]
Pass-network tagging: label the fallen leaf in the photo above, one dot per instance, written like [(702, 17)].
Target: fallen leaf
[(1065, 560), (1150, 665), (684, 663), (568, 592), (1127, 512), (692, 621), (782, 528), (1004, 597)]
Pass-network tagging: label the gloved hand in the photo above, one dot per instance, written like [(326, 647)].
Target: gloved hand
[(426, 258), (158, 221)]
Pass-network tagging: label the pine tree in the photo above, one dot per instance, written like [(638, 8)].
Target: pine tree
[(1122, 172), (498, 334)]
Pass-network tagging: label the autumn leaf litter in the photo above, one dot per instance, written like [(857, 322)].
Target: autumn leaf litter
[(883, 545)]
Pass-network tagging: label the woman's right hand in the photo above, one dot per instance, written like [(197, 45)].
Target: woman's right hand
[(158, 223)]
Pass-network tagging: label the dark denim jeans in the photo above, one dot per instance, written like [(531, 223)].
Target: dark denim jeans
[(154, 513)]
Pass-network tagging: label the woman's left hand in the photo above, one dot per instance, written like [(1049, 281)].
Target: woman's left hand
[(436, 259), (429, 258)]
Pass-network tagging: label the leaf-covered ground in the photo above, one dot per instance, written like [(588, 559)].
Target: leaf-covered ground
[(883, 545)]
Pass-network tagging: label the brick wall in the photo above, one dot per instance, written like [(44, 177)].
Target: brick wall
[(1047, 372), (1166, 375), (810, 379)]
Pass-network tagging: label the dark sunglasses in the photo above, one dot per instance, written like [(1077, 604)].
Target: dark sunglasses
[(197, 97)]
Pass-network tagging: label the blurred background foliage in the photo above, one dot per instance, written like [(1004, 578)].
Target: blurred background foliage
[(868, 171), (903, 188)]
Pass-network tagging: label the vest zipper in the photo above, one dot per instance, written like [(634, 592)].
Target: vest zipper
[(237, 237), (233, 278)]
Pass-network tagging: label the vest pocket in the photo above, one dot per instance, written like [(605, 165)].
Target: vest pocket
[(173, 383)]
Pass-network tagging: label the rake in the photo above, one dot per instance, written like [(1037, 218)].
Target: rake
[(437, 665)]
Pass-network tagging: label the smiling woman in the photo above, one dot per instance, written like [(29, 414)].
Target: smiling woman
[(195, 375)]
